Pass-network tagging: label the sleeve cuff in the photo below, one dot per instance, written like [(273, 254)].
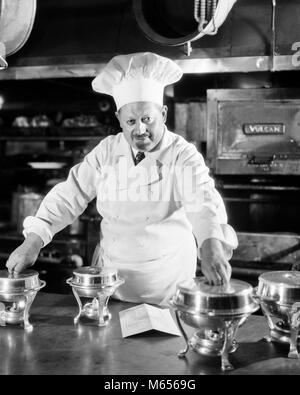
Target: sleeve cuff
[(222, 232), (39, 227)]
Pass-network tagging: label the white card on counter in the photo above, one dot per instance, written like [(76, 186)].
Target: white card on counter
[(145, 317)]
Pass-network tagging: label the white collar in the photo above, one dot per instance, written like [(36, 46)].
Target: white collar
[(134, 151), (123, 148)]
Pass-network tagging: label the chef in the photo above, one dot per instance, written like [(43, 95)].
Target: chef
[(159, 206)]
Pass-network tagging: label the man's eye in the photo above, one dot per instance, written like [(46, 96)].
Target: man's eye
[(130, 121), (147, 119)]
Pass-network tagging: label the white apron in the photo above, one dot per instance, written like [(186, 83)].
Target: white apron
[(150, 242)]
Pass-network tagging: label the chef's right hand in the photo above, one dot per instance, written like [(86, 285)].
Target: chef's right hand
[(26, 254), (214, 265)]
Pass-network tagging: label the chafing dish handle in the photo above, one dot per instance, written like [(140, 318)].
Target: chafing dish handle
[(183, 352), (255, 297), (295, 325), (262, 301), (42, 285)]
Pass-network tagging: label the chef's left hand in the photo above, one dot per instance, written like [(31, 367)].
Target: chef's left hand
[(214, 265)]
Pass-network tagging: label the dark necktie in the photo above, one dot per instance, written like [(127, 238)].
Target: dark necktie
[(139, 157)]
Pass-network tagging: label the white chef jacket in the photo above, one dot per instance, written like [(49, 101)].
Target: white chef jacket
[(153, 214)]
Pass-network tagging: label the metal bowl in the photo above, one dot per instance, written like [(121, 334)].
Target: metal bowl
[(279, 296), (98, 283), (201, 299), (280, 286), (216, 312), (278, 291), (19, 283), (20, 290), (15, 287), (95, 277), (89, 280)]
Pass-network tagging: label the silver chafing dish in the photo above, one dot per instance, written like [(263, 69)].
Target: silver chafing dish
[(17, 293), (279, 296), (98, 283), (216, 312)]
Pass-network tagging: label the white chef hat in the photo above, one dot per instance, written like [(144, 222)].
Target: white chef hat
[(137, 77)]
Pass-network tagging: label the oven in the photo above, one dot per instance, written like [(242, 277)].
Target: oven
[(254, 131), (253, 150)]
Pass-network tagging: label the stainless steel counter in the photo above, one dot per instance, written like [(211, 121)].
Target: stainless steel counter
[(57, 346)]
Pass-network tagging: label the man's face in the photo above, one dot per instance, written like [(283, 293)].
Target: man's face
[(142, 124)]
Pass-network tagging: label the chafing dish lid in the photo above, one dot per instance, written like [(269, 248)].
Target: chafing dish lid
[(90, 276), (199, 297), (18, 283), (280, 286)]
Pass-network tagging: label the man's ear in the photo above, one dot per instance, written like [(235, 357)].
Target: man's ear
[(117, 114), (164, 113)]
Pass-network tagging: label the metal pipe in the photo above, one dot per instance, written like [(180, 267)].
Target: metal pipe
[(3, 63), (274, 53), (260, 187)]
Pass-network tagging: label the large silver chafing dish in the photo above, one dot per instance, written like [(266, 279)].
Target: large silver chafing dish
[(98, 283), (17, 293), (279, 296), (216, 312)]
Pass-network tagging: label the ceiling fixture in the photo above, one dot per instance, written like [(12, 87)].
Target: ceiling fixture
[(180, 22)]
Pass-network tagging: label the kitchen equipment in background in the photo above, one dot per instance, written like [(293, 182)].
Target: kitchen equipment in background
[(178, 22), (258, 253), (253, 131), (38, 121), (47, 165), (76, 228), (23, 205), (216, 312), (17, 293), (279, 296), (81, 121), (98, 283), (16, 22), (190, 122), (253, 151)]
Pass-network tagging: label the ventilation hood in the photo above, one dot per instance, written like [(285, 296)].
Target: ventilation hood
[(75, 38)]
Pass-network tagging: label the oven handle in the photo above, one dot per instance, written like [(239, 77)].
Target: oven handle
[(268, 159), (261, 160)]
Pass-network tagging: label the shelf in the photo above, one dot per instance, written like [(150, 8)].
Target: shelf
[(56, 133), (50, 138)]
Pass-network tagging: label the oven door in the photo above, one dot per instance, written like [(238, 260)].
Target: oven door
[(254, 131), (265, 212)]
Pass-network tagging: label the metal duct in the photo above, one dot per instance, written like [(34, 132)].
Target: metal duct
[(16, 22), (176, 22)]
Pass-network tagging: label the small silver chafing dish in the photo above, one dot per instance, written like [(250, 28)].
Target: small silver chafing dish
[(279, 296), (98, 283), (17, 293), (216, 312)]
